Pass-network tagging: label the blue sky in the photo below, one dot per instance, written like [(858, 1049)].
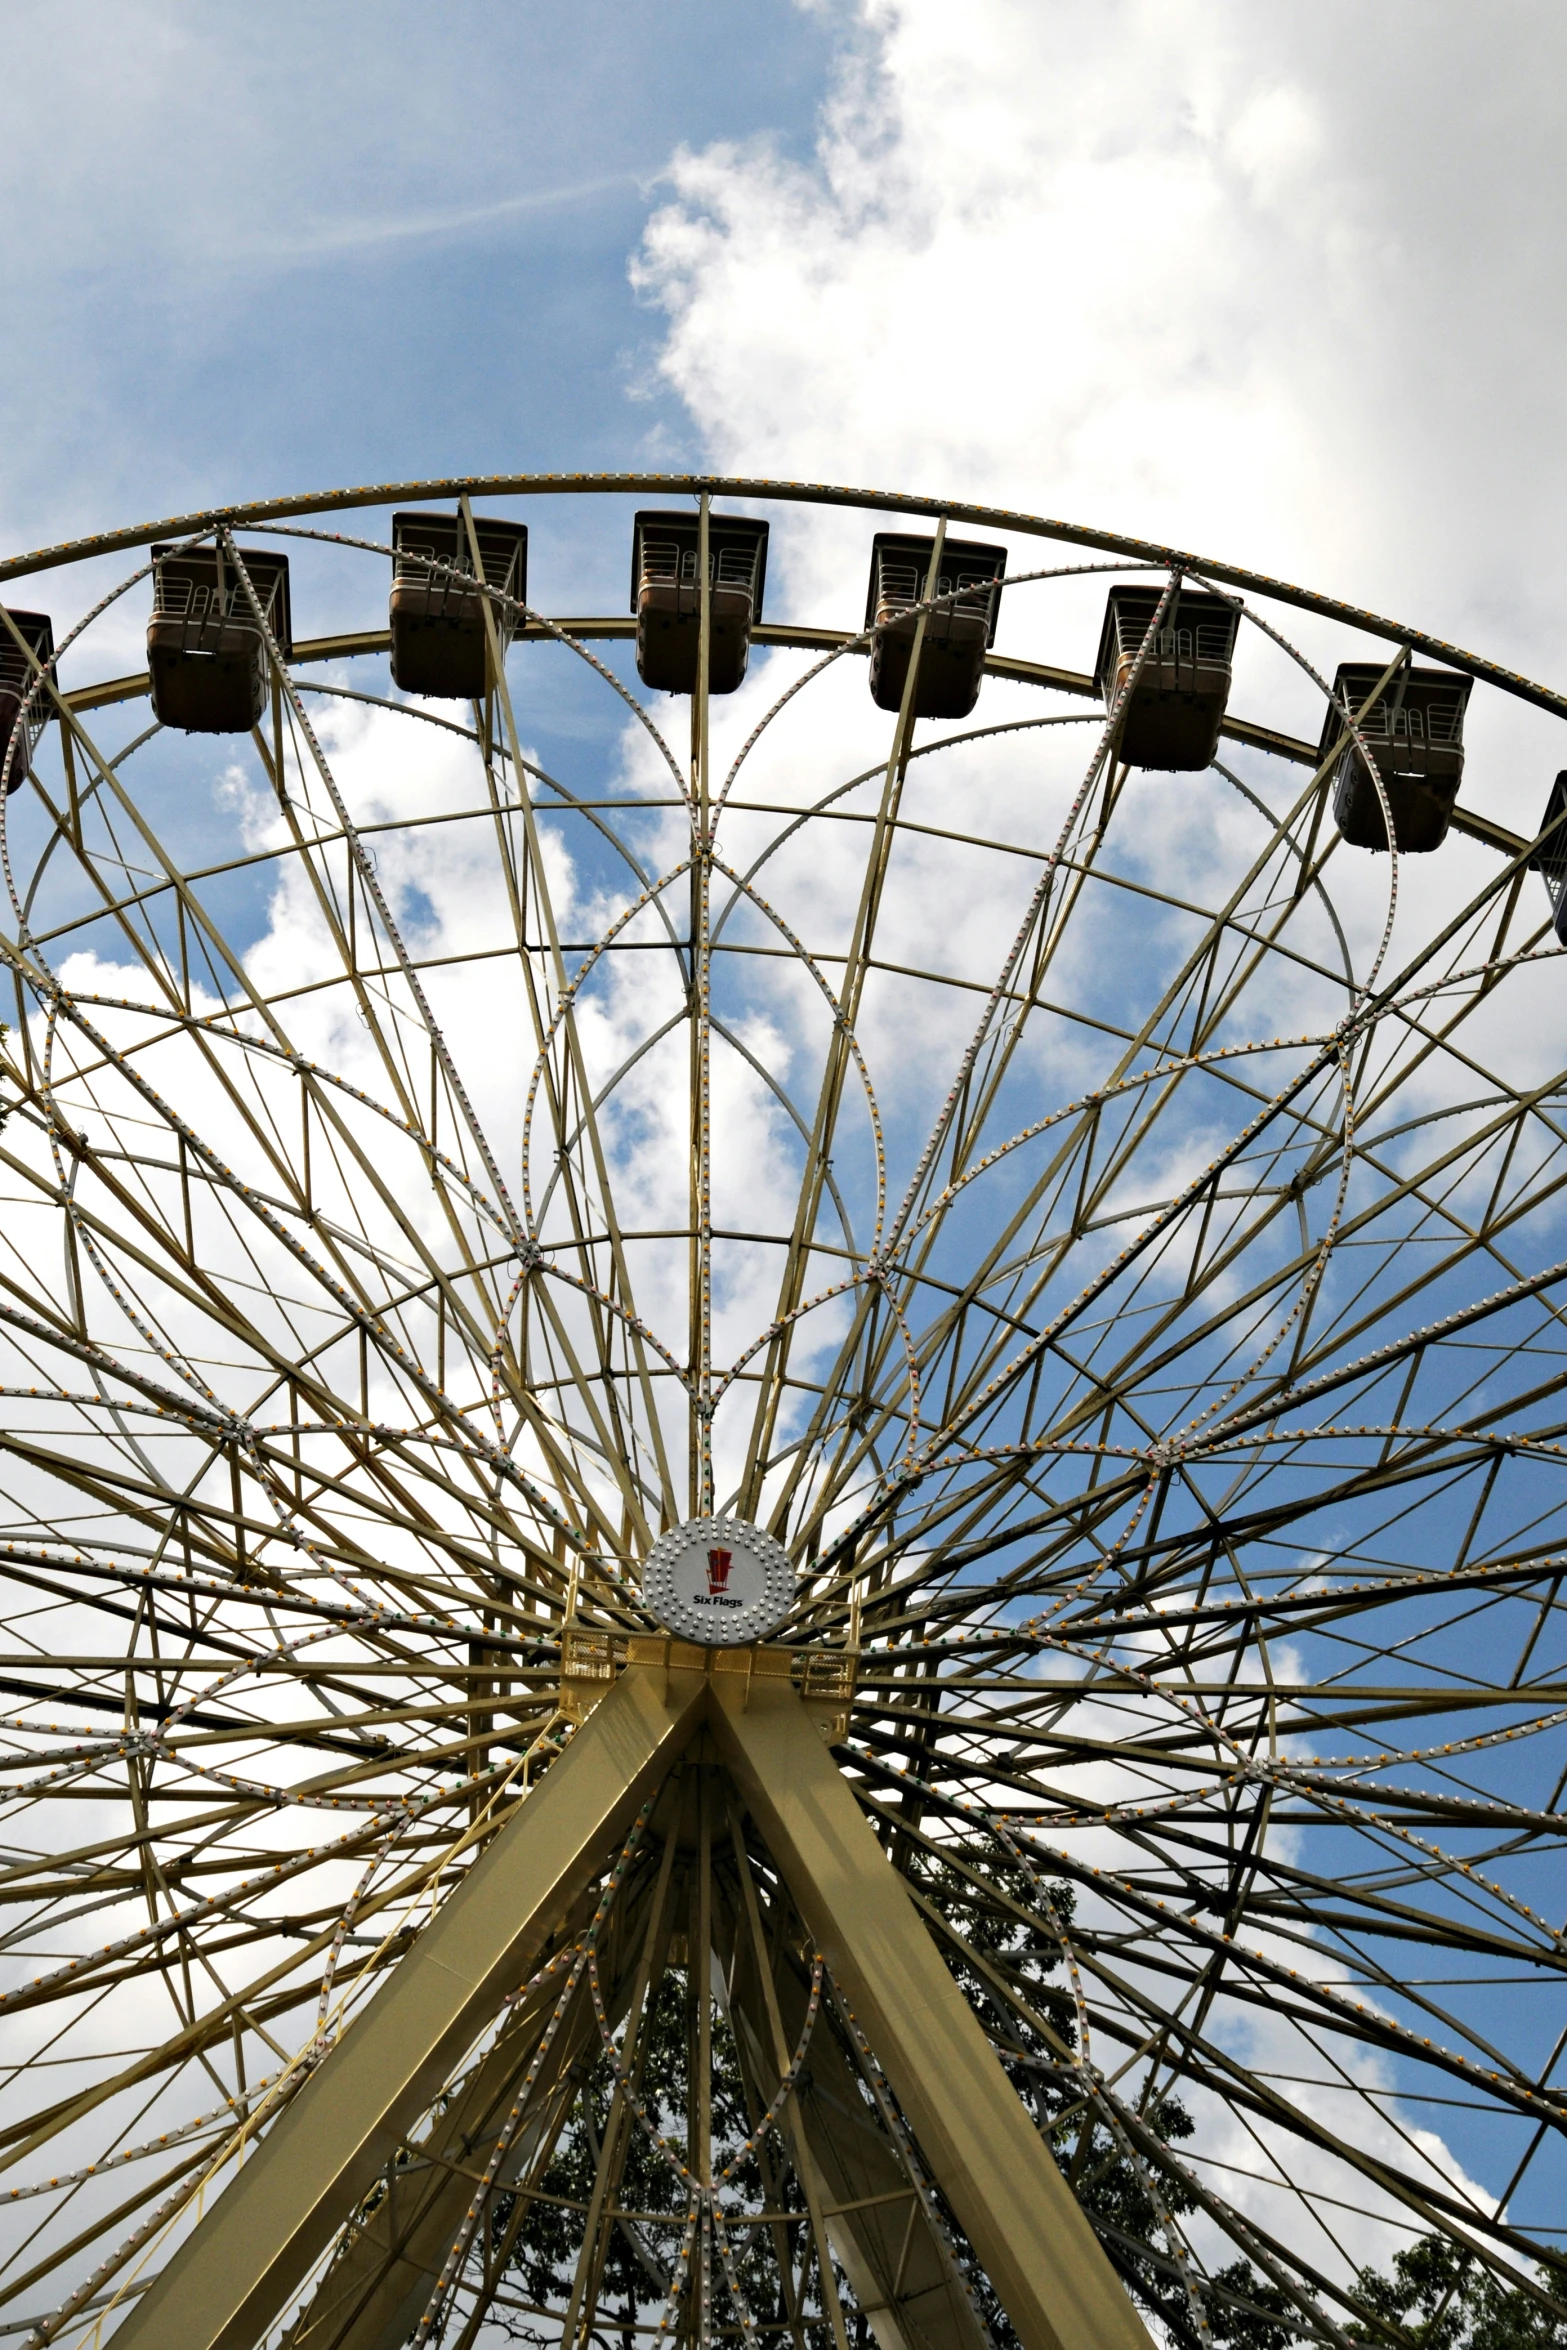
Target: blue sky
[(258, 249), (1284, 284)]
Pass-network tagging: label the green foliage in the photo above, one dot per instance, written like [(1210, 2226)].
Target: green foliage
[(1442, 2298), (1002, 1926), (641, 2254), (1436, 2297)]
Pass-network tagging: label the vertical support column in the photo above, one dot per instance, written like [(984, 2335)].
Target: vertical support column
[(701, 1366)]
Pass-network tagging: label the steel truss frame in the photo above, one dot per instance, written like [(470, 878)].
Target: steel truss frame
[(1155, 1394)]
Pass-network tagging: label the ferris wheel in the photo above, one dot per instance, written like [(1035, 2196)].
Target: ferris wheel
[(784, 1465)]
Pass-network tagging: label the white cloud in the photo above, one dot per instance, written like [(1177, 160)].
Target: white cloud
[(1222, 276), (1277, 285)]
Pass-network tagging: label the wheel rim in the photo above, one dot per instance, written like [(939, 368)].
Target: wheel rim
[(1101, 1261)]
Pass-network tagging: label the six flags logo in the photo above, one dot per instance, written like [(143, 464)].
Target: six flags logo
[(719, 1581)]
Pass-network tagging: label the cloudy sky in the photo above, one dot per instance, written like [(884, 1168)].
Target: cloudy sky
[(1282, 283)]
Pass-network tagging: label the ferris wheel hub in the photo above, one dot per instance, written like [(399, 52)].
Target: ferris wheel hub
[(412, 1186), (720, 1581)]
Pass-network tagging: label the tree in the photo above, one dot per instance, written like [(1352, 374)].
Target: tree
[(993, 1934), (1441, 2297), (995, 1931), (638, 2255)]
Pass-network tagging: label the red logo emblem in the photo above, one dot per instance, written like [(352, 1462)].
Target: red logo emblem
[(719, 1563)]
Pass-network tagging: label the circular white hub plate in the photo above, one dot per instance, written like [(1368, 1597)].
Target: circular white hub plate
[(720, 1581)]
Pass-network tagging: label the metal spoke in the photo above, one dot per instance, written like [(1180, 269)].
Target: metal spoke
[(1105, 1226)]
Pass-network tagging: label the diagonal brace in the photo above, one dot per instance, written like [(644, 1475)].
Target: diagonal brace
[(1016, 2209), (230, 2279)]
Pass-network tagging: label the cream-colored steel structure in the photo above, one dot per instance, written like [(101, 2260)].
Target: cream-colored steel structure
[(231, 2279), (1155, 1383)]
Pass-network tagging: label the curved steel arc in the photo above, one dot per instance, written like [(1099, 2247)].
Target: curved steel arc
[(1161, 1393), (1138, 551)]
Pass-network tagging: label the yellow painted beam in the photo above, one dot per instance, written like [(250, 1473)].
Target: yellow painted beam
[(987, 2157), (898, 2269), (233, 2275)]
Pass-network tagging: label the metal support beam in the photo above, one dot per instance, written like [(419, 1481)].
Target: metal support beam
[(813, 640), (901, 2276), (229, 2281), (387, 2265), (988, 2158), (386, 2270)]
